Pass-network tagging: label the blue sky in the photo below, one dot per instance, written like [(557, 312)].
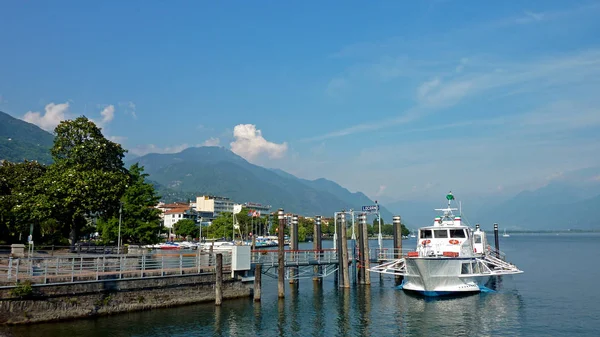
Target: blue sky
[(397, 99)]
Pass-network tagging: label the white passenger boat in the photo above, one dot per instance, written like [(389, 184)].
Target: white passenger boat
[(450, 258)]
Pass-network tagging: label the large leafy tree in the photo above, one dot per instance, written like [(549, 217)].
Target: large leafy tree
[(18, 192), (87, 177), (140, 220), (186, 227), (221, 226)]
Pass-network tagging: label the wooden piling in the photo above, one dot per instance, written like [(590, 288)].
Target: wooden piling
[(361, 251), (294, 247), (496, 240), (338, 248), (317, 246), (367, 261), (344, 237), (397, 228), (257, 282), (219, 280), (280, 255)]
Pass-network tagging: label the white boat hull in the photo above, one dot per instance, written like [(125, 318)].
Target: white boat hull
[(441, 276)]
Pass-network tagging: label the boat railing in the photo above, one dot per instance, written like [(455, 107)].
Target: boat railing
[(495, 252)]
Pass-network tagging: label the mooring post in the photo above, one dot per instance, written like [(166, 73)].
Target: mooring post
[(496, 241), (338, 251), (367, 261), (294, 247), (361, 251), (280, 255), (317, 247), (219, 280), (344, 238), (257, 282), (397, 224)]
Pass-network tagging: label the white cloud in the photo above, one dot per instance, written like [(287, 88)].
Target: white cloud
[(129, 107), (380, 190), (108, 113), (427, 87), (537, 76), (117, 139), (141, 150), (212, 142), (249, 143), (459, 68), (336, 86), (53, 115)]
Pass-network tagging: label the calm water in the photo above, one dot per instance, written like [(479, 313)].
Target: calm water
[(558, 295)]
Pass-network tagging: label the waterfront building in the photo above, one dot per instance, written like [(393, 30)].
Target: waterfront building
[(171, 216), (214, 204), (261, 208)]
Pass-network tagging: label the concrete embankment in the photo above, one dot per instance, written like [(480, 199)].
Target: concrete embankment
[(47, 302)]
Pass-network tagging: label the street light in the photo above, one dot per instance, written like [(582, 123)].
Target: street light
[(119, 239)]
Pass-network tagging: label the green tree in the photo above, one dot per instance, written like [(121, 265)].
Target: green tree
[(221, 226), (186, 227), (87, 178), (140, 220), (405, 231), (306, 227), (18, 191)]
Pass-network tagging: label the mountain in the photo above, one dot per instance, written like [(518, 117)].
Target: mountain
[(325, 185), (567, 202), (218, 171), (20, 141)]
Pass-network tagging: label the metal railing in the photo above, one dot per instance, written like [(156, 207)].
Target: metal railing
[(61, 269), (295, 257)]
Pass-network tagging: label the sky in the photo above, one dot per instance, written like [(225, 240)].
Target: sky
[(397, 99)]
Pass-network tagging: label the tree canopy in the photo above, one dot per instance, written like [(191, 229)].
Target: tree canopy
[(140, 220), (86, 183)]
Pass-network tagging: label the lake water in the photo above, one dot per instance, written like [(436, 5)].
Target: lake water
[(557, 295)]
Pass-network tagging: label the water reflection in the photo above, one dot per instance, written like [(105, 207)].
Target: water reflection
[(281, 317), (294, 305), (363, 308), (218, 324), (317, 303)]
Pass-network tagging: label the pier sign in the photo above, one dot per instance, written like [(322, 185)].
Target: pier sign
[(370, 208)]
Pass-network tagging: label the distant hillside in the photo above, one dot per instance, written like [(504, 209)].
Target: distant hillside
[(20, 141), (568, 202), (218, 171)]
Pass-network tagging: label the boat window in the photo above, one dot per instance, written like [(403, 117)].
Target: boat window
[(425, 234), (440, 233), (477, 238), (466, 268), (475, 267), (457, 233)]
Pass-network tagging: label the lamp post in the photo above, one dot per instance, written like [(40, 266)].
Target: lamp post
[(119, 238)]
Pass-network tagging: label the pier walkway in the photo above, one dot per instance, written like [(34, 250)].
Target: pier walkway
[(86, 267)]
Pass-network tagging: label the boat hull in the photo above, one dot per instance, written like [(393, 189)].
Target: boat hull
[(442, 276)]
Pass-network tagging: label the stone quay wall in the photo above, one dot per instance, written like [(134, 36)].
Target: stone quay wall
[(48, 302)]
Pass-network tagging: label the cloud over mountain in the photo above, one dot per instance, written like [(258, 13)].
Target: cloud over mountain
[(249, 143)]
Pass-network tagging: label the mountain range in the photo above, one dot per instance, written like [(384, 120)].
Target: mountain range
[(218, 171), (571, 200), (21, 141)]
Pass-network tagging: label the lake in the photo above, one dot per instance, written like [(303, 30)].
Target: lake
[(555, 296)]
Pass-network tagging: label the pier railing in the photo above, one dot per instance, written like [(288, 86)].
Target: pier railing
[(75, 268), (295, 257)]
